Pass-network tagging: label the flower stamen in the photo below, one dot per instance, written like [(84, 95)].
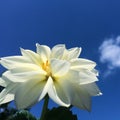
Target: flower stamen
[(46, 67)]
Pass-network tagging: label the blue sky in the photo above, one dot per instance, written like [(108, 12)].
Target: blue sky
[(93, 25)]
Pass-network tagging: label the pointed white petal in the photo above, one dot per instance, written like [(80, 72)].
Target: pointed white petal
[(59, 67), (34, 57), (44, 52), (74, 53), (24, 76), (80, 63), (7, 76), (87, 76), (7, 93), (7, 98), (46, 88), (83, 77), (81, 99), (28, 93), (92, 89), (54, 96), (14, 61), (78, 95), (3, 83), (26, 68), (82, 95), (96, 72), (58, 51), (61, 91)]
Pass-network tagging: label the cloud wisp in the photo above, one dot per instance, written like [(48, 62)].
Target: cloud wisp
[(110, 53)]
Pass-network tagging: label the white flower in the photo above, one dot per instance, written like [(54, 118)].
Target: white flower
[(58, 72)]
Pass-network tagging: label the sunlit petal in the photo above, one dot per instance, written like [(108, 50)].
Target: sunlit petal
[(58, 51), (59, 67), (14, 61), (22, 77), (87, 76), (74, 53), (78, 64), (44, 52), (34, 57)]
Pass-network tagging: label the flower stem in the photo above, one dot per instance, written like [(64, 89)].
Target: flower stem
[(45, 107)]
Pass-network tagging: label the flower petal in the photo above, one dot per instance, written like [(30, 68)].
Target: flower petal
[(8, 98), (61, 92), (7, 93), (14, 61), (22, 77), (80, 63), (73, 53), (44, 52), (46, 88), (58, 51), (82, 95), (7, 76), (59, 67), (83, 77), (87, 76), (79, 95), (3, 83), (81, 99), (34, 57), (72, 76), (28, 93), (27, 68), (92, 89), (54, 95)]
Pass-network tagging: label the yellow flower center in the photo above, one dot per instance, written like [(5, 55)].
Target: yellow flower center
[(46, 67)]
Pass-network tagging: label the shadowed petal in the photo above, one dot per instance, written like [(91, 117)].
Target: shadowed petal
[(92, 89), (81, 99), (46, 88), (82, 95), (3, 83), (28, 93), (7, 94), (54, 95)]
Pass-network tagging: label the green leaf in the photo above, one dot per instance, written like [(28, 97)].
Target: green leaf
[(5, 112), (60, 113), (22, 115)]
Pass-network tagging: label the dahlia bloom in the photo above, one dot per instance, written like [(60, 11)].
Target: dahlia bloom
[(57, 72)]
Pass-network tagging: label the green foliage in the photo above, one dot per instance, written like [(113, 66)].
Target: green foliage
[(22, 115), (60, 113), (5, 111)]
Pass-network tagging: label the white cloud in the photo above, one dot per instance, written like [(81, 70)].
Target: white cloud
[(110, 53)]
